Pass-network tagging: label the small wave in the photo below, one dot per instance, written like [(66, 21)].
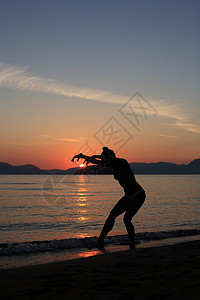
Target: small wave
[(88, 242)]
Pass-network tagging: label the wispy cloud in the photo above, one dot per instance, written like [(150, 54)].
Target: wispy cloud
[(167, 136), (20, 79), (50, 137), (187, 126), (179, 115), (61, 139), (170, 109)]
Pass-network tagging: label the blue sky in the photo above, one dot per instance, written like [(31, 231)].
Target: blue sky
[(67, 66)]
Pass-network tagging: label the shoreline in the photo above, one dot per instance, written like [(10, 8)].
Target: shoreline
[(31, 259), (164, 272)]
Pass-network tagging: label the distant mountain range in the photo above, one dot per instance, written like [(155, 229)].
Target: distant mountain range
[(138, 168)]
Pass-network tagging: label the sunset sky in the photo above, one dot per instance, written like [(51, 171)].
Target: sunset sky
[(79, 74)]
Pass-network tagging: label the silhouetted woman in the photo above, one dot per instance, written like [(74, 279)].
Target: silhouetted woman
[(130, 203)]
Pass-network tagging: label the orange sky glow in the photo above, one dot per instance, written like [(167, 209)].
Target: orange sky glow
[(67, 87)]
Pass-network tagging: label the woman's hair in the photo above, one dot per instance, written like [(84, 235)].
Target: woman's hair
[(108, 152)]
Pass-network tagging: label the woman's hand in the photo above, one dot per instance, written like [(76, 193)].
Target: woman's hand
[(88, 159), (78, 156)]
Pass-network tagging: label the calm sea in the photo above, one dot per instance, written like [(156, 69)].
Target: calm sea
[(41, 207), (53, 218)]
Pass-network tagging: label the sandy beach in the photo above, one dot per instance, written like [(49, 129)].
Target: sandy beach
[(167, 272)]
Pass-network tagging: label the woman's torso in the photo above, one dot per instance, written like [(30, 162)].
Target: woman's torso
[(125, 176)]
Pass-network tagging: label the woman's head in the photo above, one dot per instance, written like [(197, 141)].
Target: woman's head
[(107, 154)]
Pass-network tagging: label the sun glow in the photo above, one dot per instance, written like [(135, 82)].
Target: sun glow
[(82, 166)]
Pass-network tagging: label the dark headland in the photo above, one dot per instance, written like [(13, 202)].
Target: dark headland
[(139, 168)]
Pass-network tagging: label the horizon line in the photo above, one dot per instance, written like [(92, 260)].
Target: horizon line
[(31, 164)]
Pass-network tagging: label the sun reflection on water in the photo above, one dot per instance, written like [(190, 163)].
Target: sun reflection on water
[(89, 253), (81, 201), (81, 204), (83, 218)]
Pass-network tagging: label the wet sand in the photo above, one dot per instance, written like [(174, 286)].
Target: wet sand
[(167, 272)]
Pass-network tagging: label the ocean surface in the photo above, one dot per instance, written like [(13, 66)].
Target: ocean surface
[(56, 213)]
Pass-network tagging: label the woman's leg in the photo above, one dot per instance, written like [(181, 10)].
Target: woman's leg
[(133, 208), (120, 207)]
